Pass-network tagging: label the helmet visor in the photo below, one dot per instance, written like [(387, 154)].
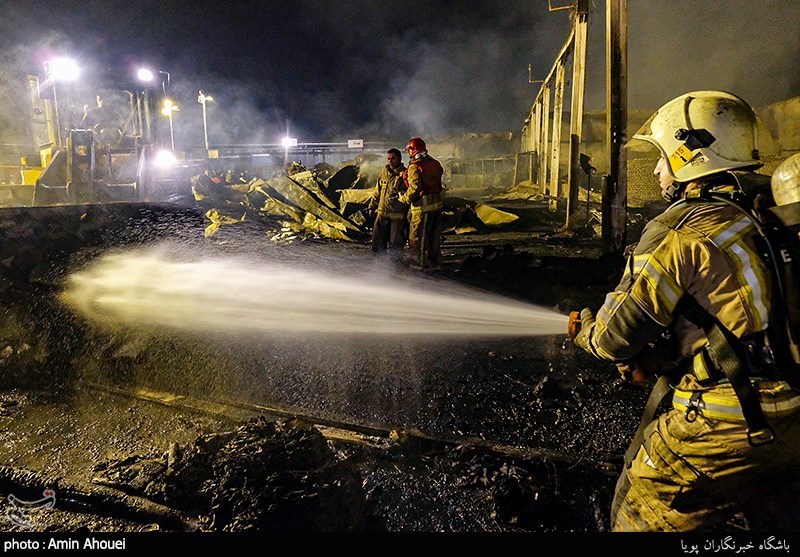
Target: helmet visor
[(644, 133)]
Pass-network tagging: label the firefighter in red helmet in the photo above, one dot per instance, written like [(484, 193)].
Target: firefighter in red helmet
[(425, 196)]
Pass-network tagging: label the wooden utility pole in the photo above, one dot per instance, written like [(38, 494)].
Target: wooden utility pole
[(615, 187), (581, 25)]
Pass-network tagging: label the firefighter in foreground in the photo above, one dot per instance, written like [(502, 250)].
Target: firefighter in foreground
[(698, 288), (425, 196), (390, 227)]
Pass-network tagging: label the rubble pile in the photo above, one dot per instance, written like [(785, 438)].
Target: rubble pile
[(300, 204), (268, 476), (526, 494), (322, 202)]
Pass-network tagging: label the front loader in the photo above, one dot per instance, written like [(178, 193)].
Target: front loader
[(98, 142)]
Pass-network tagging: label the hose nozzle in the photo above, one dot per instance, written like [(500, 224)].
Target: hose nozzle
[(574, 324)]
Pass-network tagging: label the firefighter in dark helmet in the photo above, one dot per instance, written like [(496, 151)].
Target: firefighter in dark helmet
[(391, 216), (730, 442)]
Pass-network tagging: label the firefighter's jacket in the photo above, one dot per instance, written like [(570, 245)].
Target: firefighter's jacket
[(708, 251), (424, 179), (389, 188)]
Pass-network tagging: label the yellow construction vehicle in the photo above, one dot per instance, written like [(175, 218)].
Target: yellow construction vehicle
[(96, 139)]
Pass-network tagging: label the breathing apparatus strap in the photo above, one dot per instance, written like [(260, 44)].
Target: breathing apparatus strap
[(672, 192), (729, 357), (657, 395)]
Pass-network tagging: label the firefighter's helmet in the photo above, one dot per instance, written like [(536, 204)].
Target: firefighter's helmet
[(415, 145), (786, 181), (703, 133)]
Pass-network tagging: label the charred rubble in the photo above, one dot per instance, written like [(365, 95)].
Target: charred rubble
[(266, 475), (321, 202)]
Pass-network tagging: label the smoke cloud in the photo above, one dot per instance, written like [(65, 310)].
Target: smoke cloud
[(331, 70)]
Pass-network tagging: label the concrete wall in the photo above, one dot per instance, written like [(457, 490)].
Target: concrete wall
[(783, 120)]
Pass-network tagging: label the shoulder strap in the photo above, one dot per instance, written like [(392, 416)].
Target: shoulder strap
[(781, 253)]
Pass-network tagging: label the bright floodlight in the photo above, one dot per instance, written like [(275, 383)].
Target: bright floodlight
[(62, 69), (165, 159), (145, 75), (289, 142), (169, 107)]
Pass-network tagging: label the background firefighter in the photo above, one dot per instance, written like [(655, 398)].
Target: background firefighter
[(391, 215), (425, 195), (731, 441)]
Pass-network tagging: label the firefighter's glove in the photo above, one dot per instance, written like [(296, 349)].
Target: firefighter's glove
[(632, 372), (587, 326)]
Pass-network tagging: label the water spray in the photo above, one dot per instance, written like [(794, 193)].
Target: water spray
[(156, 289)]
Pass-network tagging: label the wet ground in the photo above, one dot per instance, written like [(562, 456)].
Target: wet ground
[(535, 393)]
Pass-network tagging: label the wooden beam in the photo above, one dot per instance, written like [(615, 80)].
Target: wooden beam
[(537, 136), (370, 436), (99, 499), (581, 22), (558, 114), (543, 158), (531, 156), (615, 190), (565, 51)]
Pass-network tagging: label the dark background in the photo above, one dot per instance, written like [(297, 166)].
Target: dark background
[(338, 69)]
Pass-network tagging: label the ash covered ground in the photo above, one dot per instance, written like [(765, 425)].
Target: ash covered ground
[(496, 434)]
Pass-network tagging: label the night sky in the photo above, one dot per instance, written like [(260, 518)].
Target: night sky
[(339, 69)]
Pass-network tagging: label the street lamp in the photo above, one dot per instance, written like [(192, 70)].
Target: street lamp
[(165, 84), (167, 110), (203, 99), (145, 74)]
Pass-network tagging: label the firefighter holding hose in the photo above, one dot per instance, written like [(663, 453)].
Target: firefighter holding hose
[(711, 277)]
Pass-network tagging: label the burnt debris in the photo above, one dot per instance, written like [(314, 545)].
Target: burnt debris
[(269, 476)]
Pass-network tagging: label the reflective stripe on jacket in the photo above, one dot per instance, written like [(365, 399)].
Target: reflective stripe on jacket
[(777, 399), (703, 249)]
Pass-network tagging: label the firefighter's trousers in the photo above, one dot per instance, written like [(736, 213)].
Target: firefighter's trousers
[(693, 472), (425, 238)]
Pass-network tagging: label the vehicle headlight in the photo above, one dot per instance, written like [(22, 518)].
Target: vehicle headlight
[(165, 159)]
